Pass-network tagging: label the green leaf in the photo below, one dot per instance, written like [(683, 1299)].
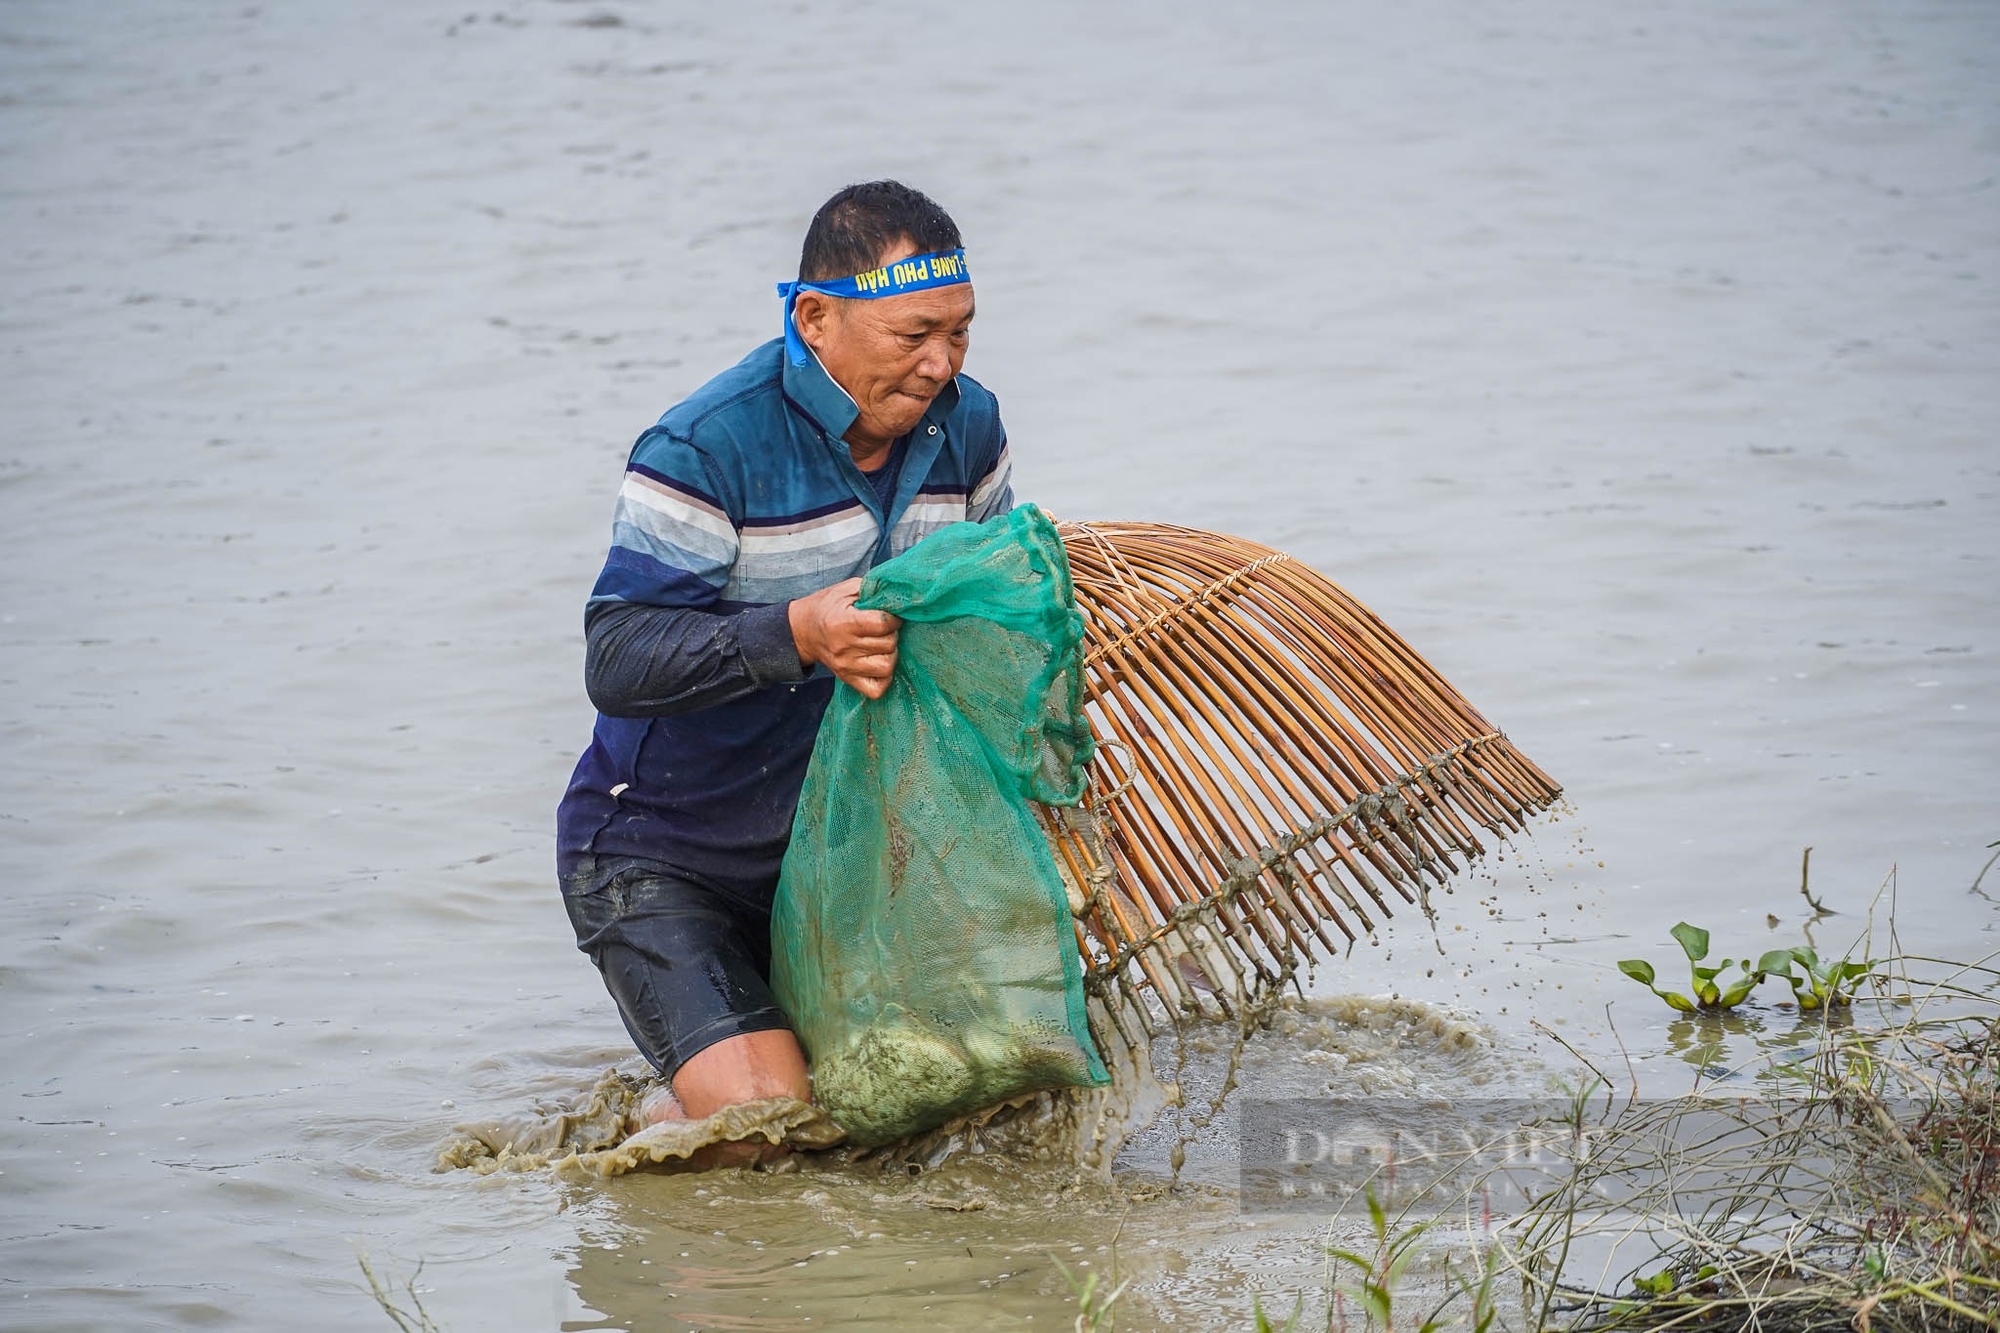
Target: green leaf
[(1677, 1001), (1406, 1244), (1376, 1218), (1351, 1258), (1659, 1284), (1377, 1300), (1808, 959), (1705, 991), (1736, 994), (1778, 963), (1694, 941), (1638, 969)]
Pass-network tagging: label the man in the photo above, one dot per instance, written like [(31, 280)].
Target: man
[(725, 613)]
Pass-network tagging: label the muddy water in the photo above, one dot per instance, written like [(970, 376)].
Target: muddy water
[(1637, 367)]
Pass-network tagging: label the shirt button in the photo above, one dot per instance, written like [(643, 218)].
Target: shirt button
[(932, 431)]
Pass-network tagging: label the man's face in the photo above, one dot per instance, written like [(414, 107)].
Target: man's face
[(894, 354)]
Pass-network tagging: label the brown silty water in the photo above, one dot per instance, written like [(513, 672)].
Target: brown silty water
[(1636, 368), (975, 1221)]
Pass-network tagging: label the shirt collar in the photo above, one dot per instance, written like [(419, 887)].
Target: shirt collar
[(829, 405)]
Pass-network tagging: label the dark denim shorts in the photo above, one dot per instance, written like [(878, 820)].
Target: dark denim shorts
[(688, 964)]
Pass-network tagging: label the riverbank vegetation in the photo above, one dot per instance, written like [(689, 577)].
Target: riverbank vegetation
[(1856, 1185), (1850, 1181)]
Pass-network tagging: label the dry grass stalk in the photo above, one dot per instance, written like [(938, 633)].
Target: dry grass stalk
[(1862, 1191), (1275, 767)]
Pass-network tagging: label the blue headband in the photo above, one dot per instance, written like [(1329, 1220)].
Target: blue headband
[(944, 269)]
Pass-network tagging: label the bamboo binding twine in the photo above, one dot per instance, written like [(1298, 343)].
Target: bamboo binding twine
[(1274, 766)]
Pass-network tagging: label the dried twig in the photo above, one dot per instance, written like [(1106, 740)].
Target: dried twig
[(414, 1320), (1982, 871), (1630, 1071), (1865, 1195), (1820, 909)]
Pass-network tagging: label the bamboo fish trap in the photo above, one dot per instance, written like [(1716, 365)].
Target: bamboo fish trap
[(1275, 766)]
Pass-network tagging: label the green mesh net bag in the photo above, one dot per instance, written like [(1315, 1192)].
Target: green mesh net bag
[(921, 940)]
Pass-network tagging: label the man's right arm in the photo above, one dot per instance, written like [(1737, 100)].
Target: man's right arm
[(656, 645), (659, 661)]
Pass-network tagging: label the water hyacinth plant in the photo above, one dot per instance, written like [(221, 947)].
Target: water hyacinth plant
[(1711, 989), (1816, 984)]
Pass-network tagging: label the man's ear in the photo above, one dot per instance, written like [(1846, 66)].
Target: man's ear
[(816, 315)]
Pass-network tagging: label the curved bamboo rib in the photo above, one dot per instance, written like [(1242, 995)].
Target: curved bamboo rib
[(1275, 765)]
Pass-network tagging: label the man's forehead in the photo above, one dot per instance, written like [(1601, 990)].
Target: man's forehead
[(933, 307)]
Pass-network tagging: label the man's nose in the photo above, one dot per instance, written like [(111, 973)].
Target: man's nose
[(934, 363)]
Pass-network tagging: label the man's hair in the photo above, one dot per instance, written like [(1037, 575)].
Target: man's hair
[(852, 230)]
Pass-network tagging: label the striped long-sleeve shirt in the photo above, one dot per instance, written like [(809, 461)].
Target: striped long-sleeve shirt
[(741, 499)]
